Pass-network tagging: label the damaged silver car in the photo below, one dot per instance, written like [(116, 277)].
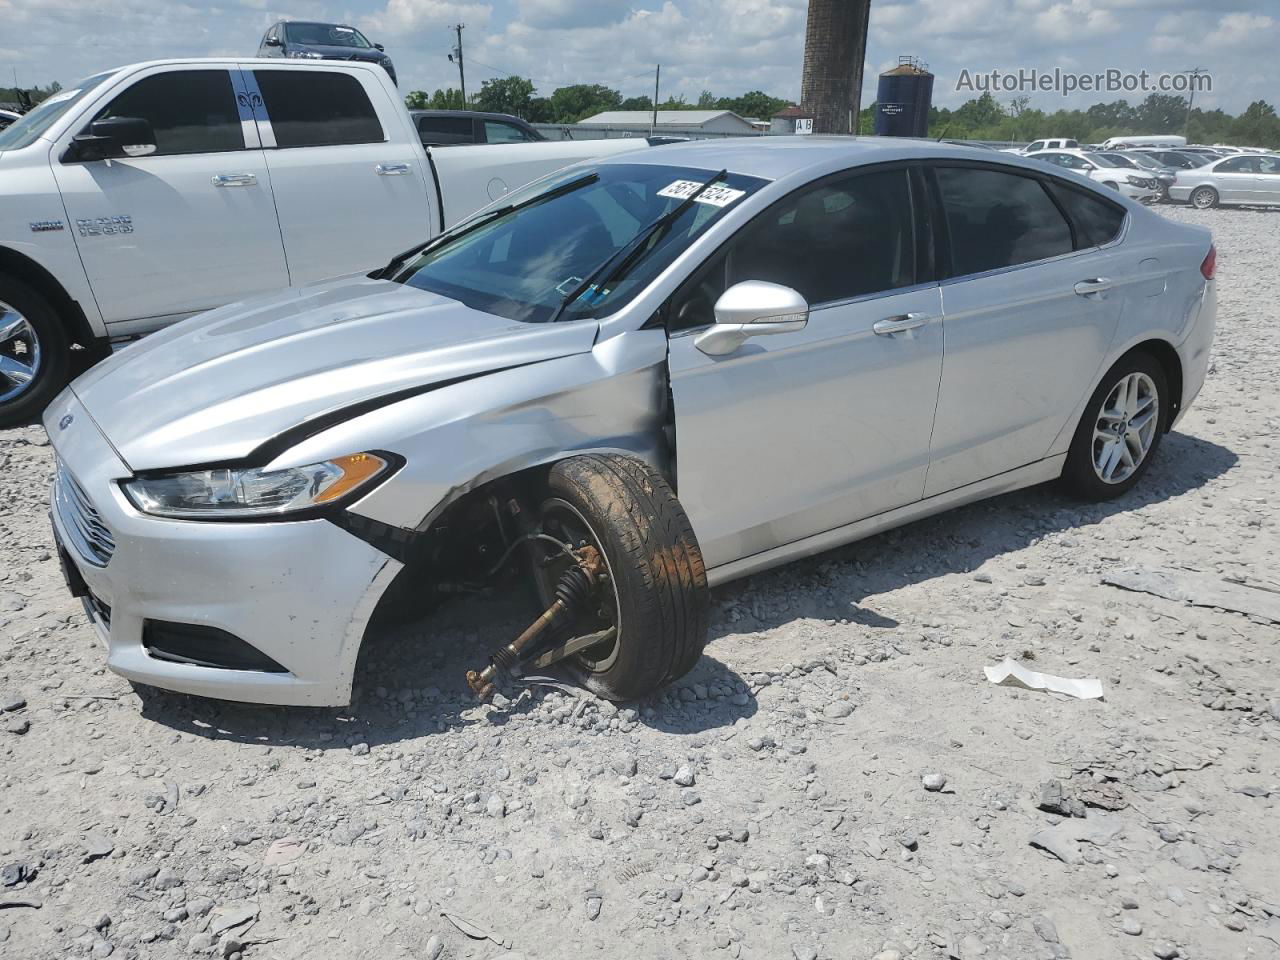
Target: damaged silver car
[(620, 385)]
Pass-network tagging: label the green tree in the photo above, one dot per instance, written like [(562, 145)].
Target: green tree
[(447, 99), (754, 103), (416, 99), (708, 101), (981, 112), (541, 111), (1258, 126), (1161, 113), (636, 103), (573, 103), (505, 95)]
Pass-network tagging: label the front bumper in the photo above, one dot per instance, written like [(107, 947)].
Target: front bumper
[(299, 592)]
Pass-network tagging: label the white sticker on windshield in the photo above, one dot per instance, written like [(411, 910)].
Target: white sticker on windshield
[(715, 195)]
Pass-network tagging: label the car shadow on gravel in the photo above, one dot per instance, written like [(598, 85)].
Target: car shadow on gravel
[(410, 685), (835, 584)]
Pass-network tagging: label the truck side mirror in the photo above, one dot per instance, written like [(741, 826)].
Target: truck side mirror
[(379, 47), (114, 137), (272, 41)]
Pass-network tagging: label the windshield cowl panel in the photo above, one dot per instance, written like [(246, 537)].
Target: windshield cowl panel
[(530, 263)]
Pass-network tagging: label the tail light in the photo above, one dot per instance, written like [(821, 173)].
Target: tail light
[(1210, 264)]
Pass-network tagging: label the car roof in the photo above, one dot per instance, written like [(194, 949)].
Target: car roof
[(477, 114), (774, 157)]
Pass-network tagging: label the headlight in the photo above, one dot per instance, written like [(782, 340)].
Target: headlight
[(305, 55), (228, 493), (1137, 181)]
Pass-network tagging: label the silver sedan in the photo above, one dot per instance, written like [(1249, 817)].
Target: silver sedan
[(621, 385), (1249, 178)]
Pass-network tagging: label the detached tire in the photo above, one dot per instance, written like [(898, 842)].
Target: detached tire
[(1120, 429), (655, 564), (35, 361)]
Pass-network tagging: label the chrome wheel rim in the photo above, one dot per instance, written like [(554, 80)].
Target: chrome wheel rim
[(1203, 199), (564, 521), (1125, 428), (19, 353)]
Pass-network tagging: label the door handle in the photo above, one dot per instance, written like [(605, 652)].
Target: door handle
[(234, 180), (903, 321), (1096, 285), (391, 169)]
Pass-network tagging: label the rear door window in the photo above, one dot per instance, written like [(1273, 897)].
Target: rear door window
[(996, 219), (190, 111), (446, 130), (496, 131), (1097, 220), (315, 108)]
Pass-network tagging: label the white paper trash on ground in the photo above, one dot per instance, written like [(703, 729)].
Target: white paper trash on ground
[(1010, 673)]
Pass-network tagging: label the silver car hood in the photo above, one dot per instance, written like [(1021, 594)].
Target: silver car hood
[(220, 385)]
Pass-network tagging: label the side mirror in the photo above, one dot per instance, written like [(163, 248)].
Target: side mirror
[(379, 47), (272, 41), (115, 137), (752, 308)]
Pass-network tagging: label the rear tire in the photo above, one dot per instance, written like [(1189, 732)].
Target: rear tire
[(35, 361), (1204, 198), (1114, 445), (656, 568)]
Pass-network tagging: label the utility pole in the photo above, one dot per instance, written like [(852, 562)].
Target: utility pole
[(456, 57), (1191, 96), (657, 74)]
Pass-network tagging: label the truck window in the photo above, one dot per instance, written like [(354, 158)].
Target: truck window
[(445, 130), (315, 108), (190, 111), (495, 131)]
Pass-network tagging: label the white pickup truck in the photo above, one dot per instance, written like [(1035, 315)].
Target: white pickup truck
[(155, 191)]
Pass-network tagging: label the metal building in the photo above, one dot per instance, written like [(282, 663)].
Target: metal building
[(903, 99)]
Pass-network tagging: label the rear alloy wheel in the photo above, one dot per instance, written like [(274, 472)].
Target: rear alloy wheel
[(34, 361), (1203, 198), (1120, 430), (650, 614)]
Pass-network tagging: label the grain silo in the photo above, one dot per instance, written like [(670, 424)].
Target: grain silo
[(903, 98)]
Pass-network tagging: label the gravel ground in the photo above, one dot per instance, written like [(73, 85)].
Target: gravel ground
[(779, 803)]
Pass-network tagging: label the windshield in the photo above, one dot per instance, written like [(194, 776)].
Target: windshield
[(522, 264), (1120, 160), (1103, 160), (1142, 160), (25, 131), (325, 35)]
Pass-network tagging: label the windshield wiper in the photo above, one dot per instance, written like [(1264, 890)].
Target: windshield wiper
[(466, 226), (627, 255)]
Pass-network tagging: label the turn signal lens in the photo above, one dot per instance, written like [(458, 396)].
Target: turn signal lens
[(1210, 265), (356, 469)]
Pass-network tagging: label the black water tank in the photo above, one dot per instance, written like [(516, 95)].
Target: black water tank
[(903, 98)]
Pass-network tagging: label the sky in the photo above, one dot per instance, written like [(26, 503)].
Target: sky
[(726, 46)]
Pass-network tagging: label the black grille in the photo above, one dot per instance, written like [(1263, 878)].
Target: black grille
[(89, 535), (99, 609)]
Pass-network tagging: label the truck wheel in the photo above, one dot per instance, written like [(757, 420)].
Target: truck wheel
[(34, 353), (1120, 429), (655, 597)]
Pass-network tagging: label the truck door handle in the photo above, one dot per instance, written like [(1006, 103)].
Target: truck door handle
[(391, 169), (234, 180), (1096, 285), (903, 321)]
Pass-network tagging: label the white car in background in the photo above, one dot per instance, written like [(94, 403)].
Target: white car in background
[(1246, 178), (1035, 146), (1134, 184)]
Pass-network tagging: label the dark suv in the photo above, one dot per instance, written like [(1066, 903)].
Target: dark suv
[(438, 128), (322, 41)]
